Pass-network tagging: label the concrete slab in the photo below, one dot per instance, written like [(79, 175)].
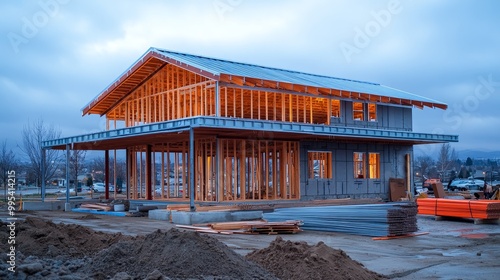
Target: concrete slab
[(159, 214), (98, 212), (246, 215), (190, 218), (52, 205)]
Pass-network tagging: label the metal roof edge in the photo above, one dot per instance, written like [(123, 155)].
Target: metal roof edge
[(261, 66), (422, 98)]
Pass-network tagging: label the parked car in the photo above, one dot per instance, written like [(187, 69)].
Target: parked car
[(98, 187), (475, 188), (112, 188), (463, 184)]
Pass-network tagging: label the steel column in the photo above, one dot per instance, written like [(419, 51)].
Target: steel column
[(42, 167), (67, 174), (106, 174)]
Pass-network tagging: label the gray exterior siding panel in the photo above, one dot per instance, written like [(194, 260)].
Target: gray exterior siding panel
[(343, 184)]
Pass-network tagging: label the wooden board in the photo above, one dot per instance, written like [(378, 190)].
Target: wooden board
[(397, 189), (438, 190)]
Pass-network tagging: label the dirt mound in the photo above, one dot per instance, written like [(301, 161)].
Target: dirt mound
[(88, 217), (298, 260), (36, 237), (174, 254), (45, 250)]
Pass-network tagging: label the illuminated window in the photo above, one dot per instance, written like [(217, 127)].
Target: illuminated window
[(374, 165), (359, 165), (358, 112), (336, 108), (372, 112), (320, 165)]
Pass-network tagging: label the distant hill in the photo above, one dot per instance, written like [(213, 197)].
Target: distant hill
[(461, 154), (474, 154)]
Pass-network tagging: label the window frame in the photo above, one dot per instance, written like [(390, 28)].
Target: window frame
[(373, 165), (356, 111), (325, 163), (372, 110), (359, 165)]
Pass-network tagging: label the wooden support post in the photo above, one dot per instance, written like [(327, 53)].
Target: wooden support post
[(148, 173), (168, 171), (218, 172), (259, 169), (235, 171), (266, 170), (283, 171), (251, 104), (162, 176), (242, 168), (275, 170)]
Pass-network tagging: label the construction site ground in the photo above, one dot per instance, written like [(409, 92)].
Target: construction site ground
[(452, 249)]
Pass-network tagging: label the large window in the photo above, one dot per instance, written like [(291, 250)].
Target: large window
[(358, 112), (320, 165), (374, 165), (364, 112), (335, 108), (372, 112), (359, 165)]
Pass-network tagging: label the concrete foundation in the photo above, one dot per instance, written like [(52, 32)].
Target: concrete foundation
[(189, 218), (52, 205), (159, 214), (100, 212)]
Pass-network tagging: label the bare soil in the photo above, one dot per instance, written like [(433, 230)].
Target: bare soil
[(298, 260), (45, 250)]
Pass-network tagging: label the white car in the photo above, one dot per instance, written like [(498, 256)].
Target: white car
[(463, 184), (98, 187)]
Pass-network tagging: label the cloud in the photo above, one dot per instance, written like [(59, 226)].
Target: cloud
[(437, 49)]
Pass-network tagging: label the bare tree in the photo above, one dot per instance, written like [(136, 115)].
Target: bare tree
[(8, 163), (76, 159), (33, 135), (98, 167), (446, 158), (425, 163)]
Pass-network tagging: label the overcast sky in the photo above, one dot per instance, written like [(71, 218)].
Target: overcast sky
[(57, 55)]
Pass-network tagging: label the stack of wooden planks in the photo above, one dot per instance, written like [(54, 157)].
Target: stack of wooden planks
[(96, 206), (248, 227), (475, 209)]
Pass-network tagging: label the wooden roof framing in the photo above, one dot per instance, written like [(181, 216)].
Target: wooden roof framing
[(248, 75)]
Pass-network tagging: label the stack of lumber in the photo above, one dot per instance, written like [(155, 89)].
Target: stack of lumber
[(475, 209), (248, 227), (391, 219), (96, 206)]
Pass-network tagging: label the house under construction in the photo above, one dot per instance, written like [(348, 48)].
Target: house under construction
[(206, 129)]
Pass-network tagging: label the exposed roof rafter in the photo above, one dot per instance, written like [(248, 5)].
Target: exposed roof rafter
[(243, 74)]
